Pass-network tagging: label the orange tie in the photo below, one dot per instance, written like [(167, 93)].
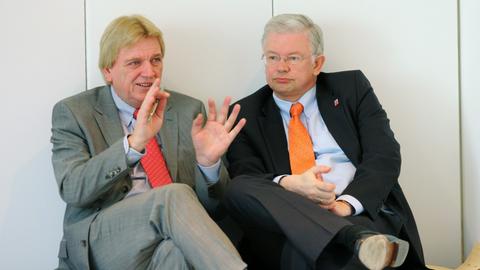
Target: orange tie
[(299, 142), (154, 164)]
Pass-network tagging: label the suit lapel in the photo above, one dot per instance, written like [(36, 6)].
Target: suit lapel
[(169, 140), (273, 132), (334, 114), (107, 118)]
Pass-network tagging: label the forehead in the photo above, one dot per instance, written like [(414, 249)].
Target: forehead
[(145, 47), (287, 43)]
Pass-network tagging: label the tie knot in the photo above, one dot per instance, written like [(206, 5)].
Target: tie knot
[(296, 109), (135, 113)]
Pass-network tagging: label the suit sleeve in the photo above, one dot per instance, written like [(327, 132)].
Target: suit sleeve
[(83, 177), (248, 154), (379, 164), (244, 160)]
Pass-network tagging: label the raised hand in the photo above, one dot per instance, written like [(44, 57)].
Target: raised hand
[(149, 117), (212, 140)]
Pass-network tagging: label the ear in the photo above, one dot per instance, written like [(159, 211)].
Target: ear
[(318, 64), (107, 74)]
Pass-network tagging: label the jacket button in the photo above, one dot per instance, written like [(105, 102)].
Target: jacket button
[(125, 189), (84, 243)]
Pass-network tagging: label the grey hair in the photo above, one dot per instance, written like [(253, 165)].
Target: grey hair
[(295, 23)]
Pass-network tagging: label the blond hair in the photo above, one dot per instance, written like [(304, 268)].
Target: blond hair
[(123, 32)]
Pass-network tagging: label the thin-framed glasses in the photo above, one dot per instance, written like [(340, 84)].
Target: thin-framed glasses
[(272, 59)]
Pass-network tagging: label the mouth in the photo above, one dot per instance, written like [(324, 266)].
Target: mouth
[(282, 80), (144, 84)]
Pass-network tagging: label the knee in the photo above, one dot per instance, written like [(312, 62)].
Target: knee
[(178, 189), (175, 191)]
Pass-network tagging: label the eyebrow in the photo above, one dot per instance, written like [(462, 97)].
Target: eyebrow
[(141, 59), (272, 52), (157, 55)]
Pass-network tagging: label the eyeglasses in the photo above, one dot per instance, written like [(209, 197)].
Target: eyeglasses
[(274, 59)]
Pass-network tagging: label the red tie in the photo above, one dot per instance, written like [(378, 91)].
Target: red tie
[(154, 164), (299, 142)]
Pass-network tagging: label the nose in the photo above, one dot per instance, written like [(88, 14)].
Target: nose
[(282, 65), (148, 70)]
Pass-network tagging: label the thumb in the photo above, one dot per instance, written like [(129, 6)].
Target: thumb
[(320, 169)]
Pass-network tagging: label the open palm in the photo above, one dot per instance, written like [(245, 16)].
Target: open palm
[(212, 140)]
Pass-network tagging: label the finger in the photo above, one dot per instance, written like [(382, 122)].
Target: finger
[(197, 124), (323, 169), (324, 197), (319, 169), (160, 94), (234, 132), (155, 86), (325, 201), (212, 111), (224, 110), (330, 206), (151, 97), (325, 186), (148, 101), (154, 89), (162, 104), (329, 199), (233, 116)]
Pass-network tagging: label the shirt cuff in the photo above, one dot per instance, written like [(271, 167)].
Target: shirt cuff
[(133, 156), (353, 202), (211, 173), (277, 178)]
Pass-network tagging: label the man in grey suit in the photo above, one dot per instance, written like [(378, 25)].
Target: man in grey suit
[(114, 219)]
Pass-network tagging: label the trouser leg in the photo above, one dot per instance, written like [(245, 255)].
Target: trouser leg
[(126, 235), (168, 256), (260, 203)]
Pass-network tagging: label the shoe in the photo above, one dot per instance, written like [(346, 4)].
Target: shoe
[(377, 251)]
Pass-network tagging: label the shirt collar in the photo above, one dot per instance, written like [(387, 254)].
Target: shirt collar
[(308, 100), (125, 111)]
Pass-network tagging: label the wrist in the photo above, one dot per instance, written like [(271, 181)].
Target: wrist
[(205, 162), (346, 203), (285, 182), (134, 143), (279, 181)]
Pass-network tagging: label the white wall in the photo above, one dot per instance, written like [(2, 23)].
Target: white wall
[(212, 46), (408, 50), (470, 97), (42, 60)]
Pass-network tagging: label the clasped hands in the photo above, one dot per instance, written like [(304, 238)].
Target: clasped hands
[(210, 140), (311, 185)]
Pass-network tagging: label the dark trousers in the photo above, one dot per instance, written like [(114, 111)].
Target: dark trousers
[(284, 230)]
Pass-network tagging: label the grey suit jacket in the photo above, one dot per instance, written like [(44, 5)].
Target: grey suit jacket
[(90, 165)]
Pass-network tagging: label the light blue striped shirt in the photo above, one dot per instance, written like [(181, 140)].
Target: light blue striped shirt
[(327, 151)]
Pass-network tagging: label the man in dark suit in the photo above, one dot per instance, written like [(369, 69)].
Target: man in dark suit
[(315, 170), (131, 159)]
